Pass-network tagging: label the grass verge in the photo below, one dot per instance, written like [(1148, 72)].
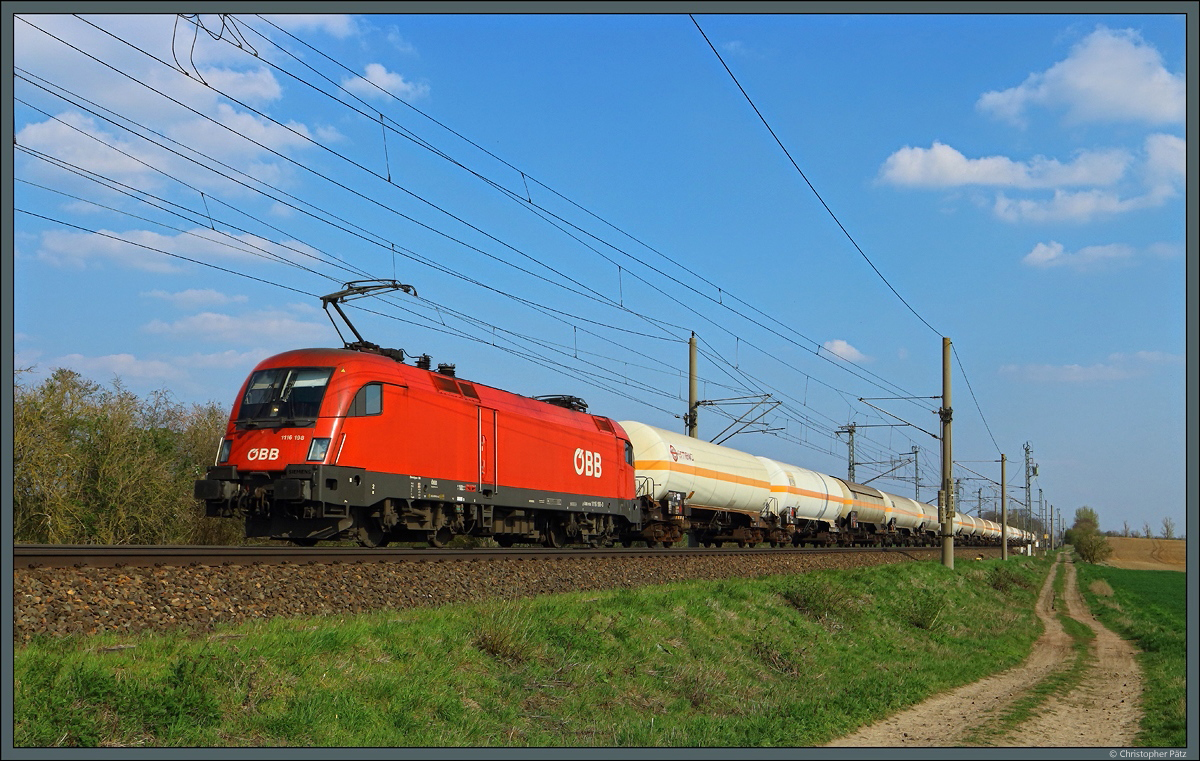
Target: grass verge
[(780, 661)]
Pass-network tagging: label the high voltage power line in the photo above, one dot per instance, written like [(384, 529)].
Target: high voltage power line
[(716, 358)]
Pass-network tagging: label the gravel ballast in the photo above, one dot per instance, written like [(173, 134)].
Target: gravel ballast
[(87, 601)]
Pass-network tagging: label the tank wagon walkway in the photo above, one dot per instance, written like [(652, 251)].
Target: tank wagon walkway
[(1104, 710)]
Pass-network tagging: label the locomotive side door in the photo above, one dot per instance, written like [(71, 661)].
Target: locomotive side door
[(489, 449)]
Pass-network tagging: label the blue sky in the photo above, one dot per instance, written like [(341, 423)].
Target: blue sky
[(571, 196)]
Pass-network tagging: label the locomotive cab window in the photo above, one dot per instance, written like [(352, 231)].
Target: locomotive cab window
[(284, 396), (628, 453), (368, 401)]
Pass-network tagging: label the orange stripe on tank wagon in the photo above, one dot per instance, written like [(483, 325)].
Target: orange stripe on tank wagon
[(716, 475)]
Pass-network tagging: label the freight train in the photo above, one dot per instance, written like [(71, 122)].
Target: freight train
[(357, 444)]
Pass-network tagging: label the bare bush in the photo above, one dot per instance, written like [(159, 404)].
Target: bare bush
[(96, 465)]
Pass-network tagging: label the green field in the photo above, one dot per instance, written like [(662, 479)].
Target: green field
[(782, 661), (1149, 608)]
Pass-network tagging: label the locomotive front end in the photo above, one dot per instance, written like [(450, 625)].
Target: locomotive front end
[(269, 467)]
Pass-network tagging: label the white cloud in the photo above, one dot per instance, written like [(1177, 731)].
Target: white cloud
[(943, 166), (1117, 367), (254, 84), (123, 365), (840, 348), (79, 250), (229, 359), (1089, 258), (340, 26), (242, 140), (377, 77), (151, 251), (195, 297), (1052, 254), (1110, 76), (80, 140), (1082, 206), (1166, 160), (267, 326), (398, 42)]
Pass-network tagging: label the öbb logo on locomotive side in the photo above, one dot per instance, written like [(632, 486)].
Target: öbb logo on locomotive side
[(587, 463), (263, 453)]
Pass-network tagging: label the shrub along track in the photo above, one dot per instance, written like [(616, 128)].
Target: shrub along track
[(1102, 710)]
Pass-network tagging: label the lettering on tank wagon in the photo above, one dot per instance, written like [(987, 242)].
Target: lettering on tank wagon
[(676, 454), (587, 463), (263, 453)]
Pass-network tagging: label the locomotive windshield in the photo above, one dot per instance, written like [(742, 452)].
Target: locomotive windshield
[(284, 396)]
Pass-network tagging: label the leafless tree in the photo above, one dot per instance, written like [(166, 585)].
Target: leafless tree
[(1168, 531)]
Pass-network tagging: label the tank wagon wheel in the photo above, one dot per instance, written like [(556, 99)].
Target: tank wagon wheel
[(651, 543), (741, 543), (504, 541), (667, 544), (626, 542)]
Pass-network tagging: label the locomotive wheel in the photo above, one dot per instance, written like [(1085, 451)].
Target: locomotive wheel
[(371, 536), (440, 537), (667, 544), (651, 543), (556, 536)]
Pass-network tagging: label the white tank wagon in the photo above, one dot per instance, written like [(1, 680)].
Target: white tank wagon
[(968, 528), (991, 531), (720, 494), (916, 522), (867, 505), (807, 504)]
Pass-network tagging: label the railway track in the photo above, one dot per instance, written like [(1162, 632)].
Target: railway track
[(28, 556)]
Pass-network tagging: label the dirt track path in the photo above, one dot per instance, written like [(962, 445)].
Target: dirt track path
[(1103, 711)]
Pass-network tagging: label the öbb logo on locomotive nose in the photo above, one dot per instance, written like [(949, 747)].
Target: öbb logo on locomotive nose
[(263, 453), (587, 463)]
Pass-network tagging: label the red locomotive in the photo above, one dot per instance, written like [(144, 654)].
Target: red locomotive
[(351, 444), (355, 444)]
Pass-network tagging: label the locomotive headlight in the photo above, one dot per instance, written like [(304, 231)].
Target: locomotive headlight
[(318, 449), (223, 452)]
